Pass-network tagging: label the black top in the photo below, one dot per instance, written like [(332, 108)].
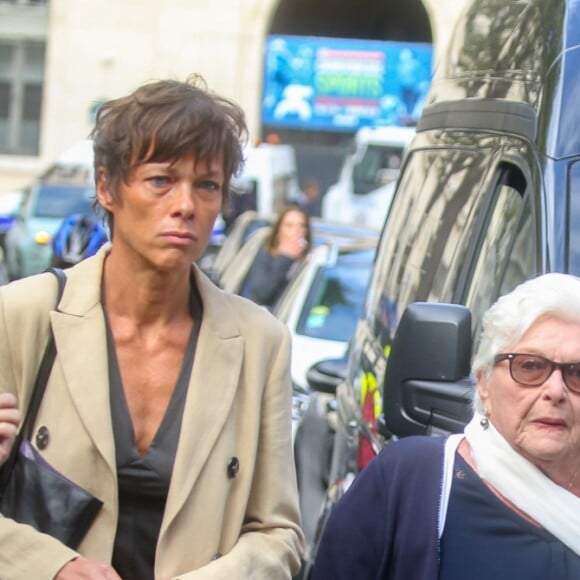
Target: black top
[(267, 278), (144, 480), (483, 538)]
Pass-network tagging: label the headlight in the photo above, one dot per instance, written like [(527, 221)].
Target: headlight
[(42, 238)]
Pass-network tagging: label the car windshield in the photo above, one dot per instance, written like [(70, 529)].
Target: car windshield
[(334, 303), (379, 164), (59, 201)]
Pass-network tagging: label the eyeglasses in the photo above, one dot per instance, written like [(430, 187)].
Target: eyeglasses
[(532, 370)]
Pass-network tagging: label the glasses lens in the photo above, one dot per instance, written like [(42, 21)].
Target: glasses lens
[(528, 369), (572, 376)]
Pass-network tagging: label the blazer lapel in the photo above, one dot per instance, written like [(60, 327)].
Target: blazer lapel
[(212, 389), (80, 336)]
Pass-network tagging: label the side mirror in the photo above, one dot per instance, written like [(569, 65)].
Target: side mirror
[(326, 375), (427, 383)]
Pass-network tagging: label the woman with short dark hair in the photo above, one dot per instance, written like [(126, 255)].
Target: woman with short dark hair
[(288, 243), (169, 400)]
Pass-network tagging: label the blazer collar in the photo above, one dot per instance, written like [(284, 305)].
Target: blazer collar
[(80, 336)]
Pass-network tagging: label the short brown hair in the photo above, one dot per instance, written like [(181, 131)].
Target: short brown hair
[(164, 121)]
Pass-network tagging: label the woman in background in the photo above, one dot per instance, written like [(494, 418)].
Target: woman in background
[(288, 243)]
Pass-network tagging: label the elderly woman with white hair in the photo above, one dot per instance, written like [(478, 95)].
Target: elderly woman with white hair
[(502, 499)]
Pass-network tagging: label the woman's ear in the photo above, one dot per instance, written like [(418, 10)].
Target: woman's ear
[(103, 189), (482, 381)]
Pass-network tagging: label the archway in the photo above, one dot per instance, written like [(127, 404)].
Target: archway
[(365, 19), (320, 152)]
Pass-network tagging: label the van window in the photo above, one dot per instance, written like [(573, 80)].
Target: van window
[(426, 235), (574, 217), (507, 250), (60, 201)]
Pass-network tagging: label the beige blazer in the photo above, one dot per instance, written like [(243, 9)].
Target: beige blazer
[(237, 406)]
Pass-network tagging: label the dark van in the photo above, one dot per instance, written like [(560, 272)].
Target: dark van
[(488, 196)]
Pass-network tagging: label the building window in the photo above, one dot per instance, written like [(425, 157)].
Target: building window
[(21, 83), (25, 2)]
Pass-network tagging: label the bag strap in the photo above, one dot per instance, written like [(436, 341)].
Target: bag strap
[(37, 391), (45, 365)]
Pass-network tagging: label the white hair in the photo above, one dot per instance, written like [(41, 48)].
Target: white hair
[(511, 316)]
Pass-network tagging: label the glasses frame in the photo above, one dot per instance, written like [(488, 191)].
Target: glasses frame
[(563, 367)]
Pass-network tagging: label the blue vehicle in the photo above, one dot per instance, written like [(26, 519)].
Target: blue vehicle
[(28, 242), (66, 188)]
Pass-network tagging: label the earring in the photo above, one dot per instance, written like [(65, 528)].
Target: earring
[(484, 422)]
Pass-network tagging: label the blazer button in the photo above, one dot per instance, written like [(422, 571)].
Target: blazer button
[(42, 437), (233, 467), (216, 556)]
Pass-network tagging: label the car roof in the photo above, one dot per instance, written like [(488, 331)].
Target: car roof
[(327, 231), (329, 252)]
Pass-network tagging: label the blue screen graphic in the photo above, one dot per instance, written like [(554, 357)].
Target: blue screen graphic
[(342, 84)]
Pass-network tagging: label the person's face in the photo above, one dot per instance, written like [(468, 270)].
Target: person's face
[(541, 423), (292, 226), (165, 212), (311, 192)]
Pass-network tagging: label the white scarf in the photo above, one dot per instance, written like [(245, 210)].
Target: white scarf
[(522, 483)]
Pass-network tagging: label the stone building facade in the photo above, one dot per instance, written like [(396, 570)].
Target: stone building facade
[(99, 49)]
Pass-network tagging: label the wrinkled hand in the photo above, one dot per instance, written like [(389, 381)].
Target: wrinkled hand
[(292, 247), (9, 421), (85, 569)]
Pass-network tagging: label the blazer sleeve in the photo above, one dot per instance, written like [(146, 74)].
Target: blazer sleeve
[(271, 541)]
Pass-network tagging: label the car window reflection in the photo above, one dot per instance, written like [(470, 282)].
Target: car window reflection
[(59, 201)]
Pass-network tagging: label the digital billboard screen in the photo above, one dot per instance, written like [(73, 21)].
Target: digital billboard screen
[(338, 84)]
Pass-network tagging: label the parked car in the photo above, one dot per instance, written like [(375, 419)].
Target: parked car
[(65, 188), (488, 196), (321, 306), (28, 242), (323, 302)]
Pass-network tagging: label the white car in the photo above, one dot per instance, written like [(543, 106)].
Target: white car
[(321, 307)]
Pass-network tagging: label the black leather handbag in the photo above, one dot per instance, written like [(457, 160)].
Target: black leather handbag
[(31, 491)]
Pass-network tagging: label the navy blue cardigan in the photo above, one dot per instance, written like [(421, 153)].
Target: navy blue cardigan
[(385, 526)]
